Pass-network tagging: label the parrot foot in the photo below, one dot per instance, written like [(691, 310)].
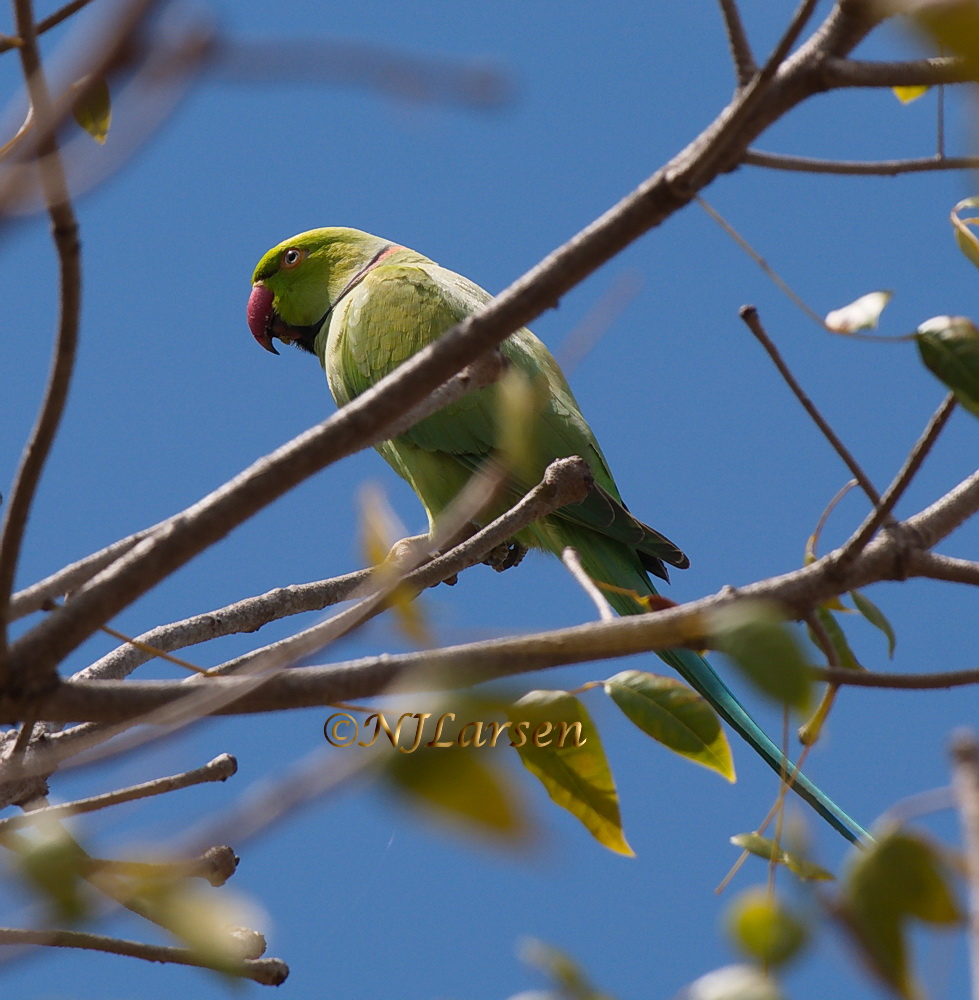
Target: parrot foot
[(505, 556)]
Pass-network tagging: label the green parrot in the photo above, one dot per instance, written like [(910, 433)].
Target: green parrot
[(363, 305)]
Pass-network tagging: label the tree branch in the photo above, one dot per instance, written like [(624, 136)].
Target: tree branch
[(751, 319), (837, 72), (744, 62), (64, 231), (265, 971), (895, 491), (858, 168)]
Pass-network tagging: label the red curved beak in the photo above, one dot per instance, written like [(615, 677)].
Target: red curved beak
[(260, 316)]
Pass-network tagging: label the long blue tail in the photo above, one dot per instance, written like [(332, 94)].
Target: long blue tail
[(700, 675)]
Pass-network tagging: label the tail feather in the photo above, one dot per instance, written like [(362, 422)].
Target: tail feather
[(697, 672)]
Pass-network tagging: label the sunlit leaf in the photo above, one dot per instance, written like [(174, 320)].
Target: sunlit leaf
[(764, 929), (949, 347), (675, 715), (908, 94), (519, 401), (461, 783), (93, 109), (876, 617), (210, 923), (952, 24), (765, 847), (754, 636), (558, 743), (566, 974), (733, 982), (53, 863), (861, 314), (380, 529), (964, 236), (899, 876)]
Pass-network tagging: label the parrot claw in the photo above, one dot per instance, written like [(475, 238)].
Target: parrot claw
[(505, 556)]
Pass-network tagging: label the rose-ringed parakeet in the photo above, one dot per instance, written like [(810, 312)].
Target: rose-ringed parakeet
[(363, 305)]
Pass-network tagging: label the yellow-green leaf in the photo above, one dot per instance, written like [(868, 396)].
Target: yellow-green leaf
[(908, 94), (675, 715), (949, 347), (876, 617), (54, 863), (861, 314), (460, 782), (764, 929), (765, 847), (754, 636), (566, 974), (559, 744), (900, 875), (964, 236), (93, 108), (953, 24)]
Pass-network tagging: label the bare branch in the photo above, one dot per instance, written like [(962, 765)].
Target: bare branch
[(744, 62), (247, 615), (898, 682), (219, 769), (859, 168), (965, 781), (265, 971), (64, 230), (932, 72), (895, 491), (34, 598), (939, 567), (750, 316)]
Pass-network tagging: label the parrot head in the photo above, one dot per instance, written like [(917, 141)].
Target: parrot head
[(298, 283)]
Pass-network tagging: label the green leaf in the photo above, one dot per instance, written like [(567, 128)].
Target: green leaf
[(93, 108), (674, 715), (559, 744), (949, 347), (765, 847), (837, 638), (459, 783), (753, 635), (861, 314), (899, 876), (964, 236), (764, 929), (876, 617)]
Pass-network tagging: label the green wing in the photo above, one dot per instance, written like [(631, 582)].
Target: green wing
[(398, 309)]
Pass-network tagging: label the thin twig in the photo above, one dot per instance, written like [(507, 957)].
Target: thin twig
[(935, 566), (265, 971), (572, 561), (247, 615), (898, 682), (47, 23), (64, 230), (882, 511), (965, 781), (749, 314), (758, 259), (744, 61), (858, 168), (219, 769)]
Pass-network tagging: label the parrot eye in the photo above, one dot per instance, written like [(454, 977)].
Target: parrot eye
[(292, 256)]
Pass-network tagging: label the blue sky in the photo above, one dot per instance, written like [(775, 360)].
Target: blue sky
[(173, 397)]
